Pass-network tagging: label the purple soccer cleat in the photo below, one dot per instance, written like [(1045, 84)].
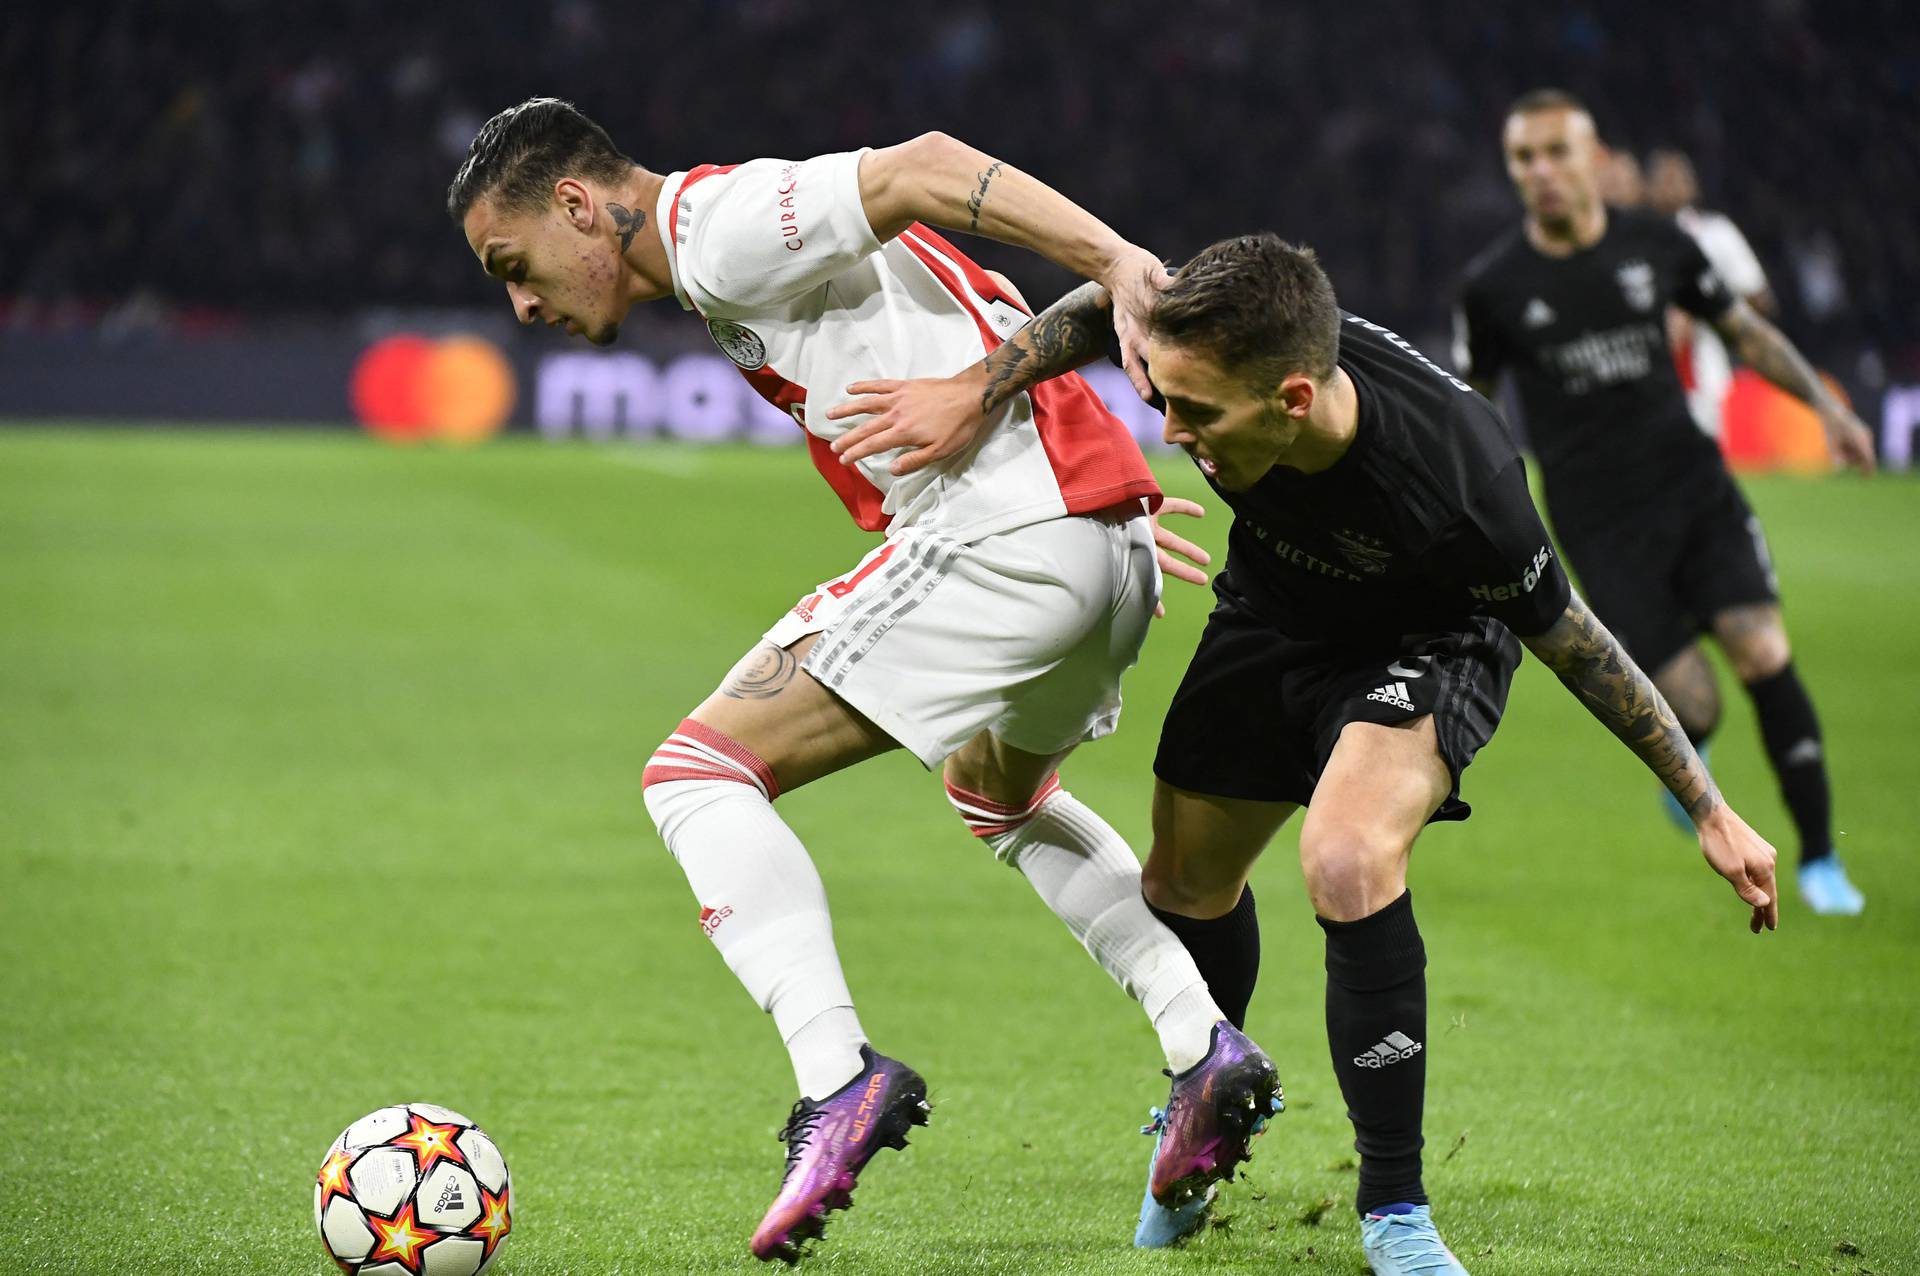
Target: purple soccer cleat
[(1216, 1108), (829, 1141)]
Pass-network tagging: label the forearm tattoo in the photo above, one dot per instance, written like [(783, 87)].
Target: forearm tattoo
[(1058, 339), (628, 221), (979, 197), (762, 675), (1597, 669), (1766, 350)]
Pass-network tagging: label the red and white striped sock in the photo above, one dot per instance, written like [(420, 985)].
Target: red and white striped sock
[(761, 901), (1089, 877)]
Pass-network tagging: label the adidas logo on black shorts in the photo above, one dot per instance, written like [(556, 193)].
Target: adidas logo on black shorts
[(1395, 694)]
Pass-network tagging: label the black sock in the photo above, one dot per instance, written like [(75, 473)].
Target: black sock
[(1227, 951), (1791, 732), (1377, 1029)]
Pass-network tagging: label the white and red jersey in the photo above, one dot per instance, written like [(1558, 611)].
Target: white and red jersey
[(777, 256), (1705, 369)]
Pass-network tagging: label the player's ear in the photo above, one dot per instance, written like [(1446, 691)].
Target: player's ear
[(1296, 395), (576, 201)]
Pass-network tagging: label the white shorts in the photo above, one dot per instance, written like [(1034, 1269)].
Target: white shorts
[(1024, 634)]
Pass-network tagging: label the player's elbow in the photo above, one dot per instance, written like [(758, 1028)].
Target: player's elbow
[(934, 151), (1557, 645), (1006, 286), (898, 183), (915, 163)]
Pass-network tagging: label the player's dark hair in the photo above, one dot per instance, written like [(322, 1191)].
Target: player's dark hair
[(1548, 99), (519, 154), (1259, 305)]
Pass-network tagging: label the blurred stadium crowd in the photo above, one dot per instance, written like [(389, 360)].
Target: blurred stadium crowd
[(256, 157)]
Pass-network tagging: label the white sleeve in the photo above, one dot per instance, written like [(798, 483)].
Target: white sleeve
[(1733, 257), (774, 229)]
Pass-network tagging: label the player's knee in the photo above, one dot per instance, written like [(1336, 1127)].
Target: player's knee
[(1351, 871), (1165, 886), (1699, 717), (696, 766), (1760, 655), (995, 822), (1188, 884)]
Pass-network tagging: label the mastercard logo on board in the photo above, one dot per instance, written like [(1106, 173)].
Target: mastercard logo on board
[(411, 389)]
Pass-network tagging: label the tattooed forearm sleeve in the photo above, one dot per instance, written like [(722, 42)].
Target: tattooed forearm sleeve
[(1766, 350), (1597, 669), (1067, 334)]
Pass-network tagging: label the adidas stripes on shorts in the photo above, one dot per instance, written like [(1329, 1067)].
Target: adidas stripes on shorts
[(1025, 633), (1258, 713)]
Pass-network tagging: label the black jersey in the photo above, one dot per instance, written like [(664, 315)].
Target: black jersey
[(1424, 522), (1585, 336)]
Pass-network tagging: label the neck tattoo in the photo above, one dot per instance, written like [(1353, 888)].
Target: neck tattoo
[(628, 221)]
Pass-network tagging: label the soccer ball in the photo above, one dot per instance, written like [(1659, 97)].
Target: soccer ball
[(412, 1190)]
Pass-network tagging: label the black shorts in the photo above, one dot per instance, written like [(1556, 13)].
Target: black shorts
[(1658, 578), (1258, 713)]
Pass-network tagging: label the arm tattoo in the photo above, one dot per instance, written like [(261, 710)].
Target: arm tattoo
[(979, 197), (1059, 339), (762, 675), (628, 221), (1597, 669), (1766, 350)]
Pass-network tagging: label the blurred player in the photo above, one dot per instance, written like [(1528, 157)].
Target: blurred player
[(1384, 554), (1705, 371), (1574, 303), (987, 634), (1622, 184)]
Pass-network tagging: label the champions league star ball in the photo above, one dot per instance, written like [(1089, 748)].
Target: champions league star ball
[(412, 1190)]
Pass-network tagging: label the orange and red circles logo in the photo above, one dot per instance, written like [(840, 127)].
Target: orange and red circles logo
[(409, 389)]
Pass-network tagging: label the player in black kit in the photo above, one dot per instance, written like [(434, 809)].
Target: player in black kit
[(1385, 553), (1574, 304)]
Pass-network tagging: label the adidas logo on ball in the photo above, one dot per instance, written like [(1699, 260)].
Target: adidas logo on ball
[(450, 1199)]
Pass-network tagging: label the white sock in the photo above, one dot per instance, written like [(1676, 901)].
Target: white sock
[(826, 1051), (1090, 879), (761, 901)]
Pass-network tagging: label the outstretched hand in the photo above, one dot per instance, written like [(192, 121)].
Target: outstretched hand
[(1746, 860), (1850, 439), (1170, 544), (934, 417)]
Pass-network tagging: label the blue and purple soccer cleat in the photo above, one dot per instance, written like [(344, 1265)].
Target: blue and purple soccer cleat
[(1216, 1108), (1160, 1227), (829, 1141), (1400, 1240)]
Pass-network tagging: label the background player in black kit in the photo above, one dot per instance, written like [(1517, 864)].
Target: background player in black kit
[(1385, 553), (1573, 304)]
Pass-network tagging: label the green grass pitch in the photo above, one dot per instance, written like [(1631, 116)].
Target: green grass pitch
[(319, 790)]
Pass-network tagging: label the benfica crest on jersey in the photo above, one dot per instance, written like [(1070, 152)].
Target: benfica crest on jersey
[(1362, 552), (1636, 282), (739, 343)]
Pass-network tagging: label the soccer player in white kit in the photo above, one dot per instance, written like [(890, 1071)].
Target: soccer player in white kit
[(1706, 369), (987, 633)]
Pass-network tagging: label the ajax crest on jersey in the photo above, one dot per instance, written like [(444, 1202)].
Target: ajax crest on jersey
[(412, 1190), (739, 343)]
